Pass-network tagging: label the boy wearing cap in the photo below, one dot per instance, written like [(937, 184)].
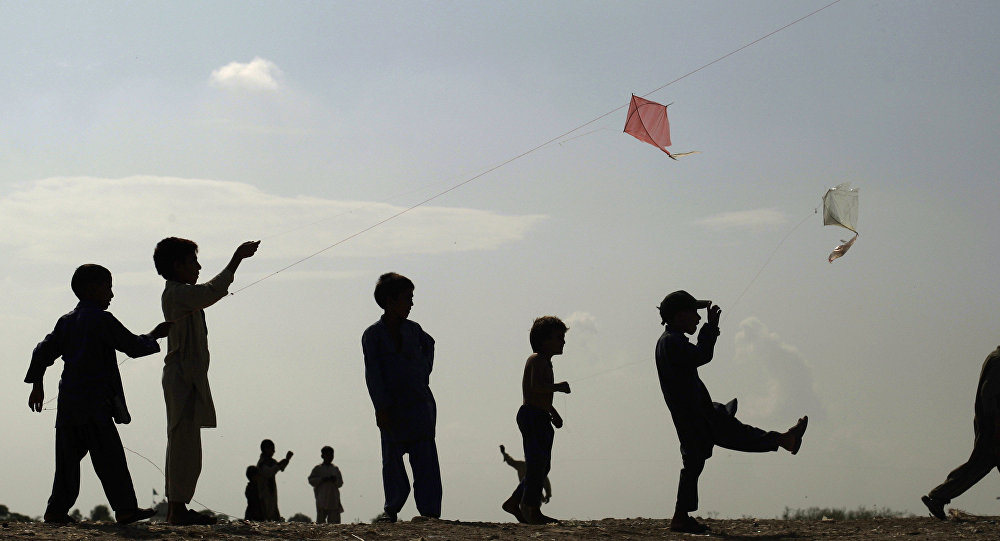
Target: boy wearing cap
[(702, 424)]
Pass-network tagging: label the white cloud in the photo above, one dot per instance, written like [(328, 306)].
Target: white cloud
[(744, 219), (776, 382), (258, 74), (582, 322), (120, 220)]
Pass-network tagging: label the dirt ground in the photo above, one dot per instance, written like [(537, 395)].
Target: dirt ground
[(967, 527)]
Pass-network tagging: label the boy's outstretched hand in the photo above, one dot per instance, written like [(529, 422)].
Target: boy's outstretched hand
[(36, 398), (562, 387), (161, 330), (247, 249)]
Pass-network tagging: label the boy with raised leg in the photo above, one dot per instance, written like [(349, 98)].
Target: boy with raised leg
[(702, 424)]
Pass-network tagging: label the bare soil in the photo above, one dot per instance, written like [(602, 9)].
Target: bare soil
[(964, 527)]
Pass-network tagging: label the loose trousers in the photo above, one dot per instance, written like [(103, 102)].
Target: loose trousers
[(100, 439), (183, 466), (728, 432), (537, 435), (427, 489), (963, 477)]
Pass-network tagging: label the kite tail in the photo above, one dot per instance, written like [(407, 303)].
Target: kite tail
[(842, 249), (668, 153)]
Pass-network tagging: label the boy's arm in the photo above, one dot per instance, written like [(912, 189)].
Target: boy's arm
[(315, 479), (427, 346), (42, 357), (557, 420), (338, 478), (130, 344), (374, 378)]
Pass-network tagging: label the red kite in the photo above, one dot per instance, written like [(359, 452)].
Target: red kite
[(647, 121)]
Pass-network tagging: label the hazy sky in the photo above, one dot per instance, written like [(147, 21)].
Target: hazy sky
[(303, 123)]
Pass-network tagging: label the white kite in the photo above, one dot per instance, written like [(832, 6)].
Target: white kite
[(840, 207)]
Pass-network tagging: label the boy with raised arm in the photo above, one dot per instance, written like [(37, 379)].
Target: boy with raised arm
[(399, 357), (185, 369), (536, 417), (267, 485), (702, 424), (91, 398)]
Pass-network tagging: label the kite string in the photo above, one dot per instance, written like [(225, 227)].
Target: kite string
[(533, 149), (768, 260)]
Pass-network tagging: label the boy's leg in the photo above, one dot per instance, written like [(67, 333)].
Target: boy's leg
[(427, 490), (334, 518), (183, 466), (108, 457), (730, 433), (395, 482), (321, 515), (537, 434), (66, 484), (687, 485), (963, 477)]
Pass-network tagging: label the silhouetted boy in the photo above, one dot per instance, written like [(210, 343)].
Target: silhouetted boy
[(267, 486), (399, 357), (519, 467), (254, 511), (536, 417), (91, 398), (702, 424), (986, 447), (326, 481), (185, 369)]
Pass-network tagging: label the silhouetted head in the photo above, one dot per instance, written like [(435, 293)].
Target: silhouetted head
[(92, 282), (267, 448), (177, 259), (680, 309), (326, 453), (394, 294), (251, 473), (548, 335)]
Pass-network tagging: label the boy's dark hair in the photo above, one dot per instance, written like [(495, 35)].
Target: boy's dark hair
[(251, 473), (86, 275), (389, 286), (325, 449), (544, 328), (169, 251), (266, 443)]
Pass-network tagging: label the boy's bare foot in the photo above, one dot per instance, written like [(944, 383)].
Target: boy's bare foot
[(533, 515), (791, 440), (511, 506)]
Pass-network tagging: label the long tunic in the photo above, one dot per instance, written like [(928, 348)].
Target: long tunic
[(326, 481), (86, 339), (398, 380), (185, 368), (677, 362)]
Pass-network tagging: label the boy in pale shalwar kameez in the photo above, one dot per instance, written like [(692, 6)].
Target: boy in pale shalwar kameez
[(185, 371), (326, 482)]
